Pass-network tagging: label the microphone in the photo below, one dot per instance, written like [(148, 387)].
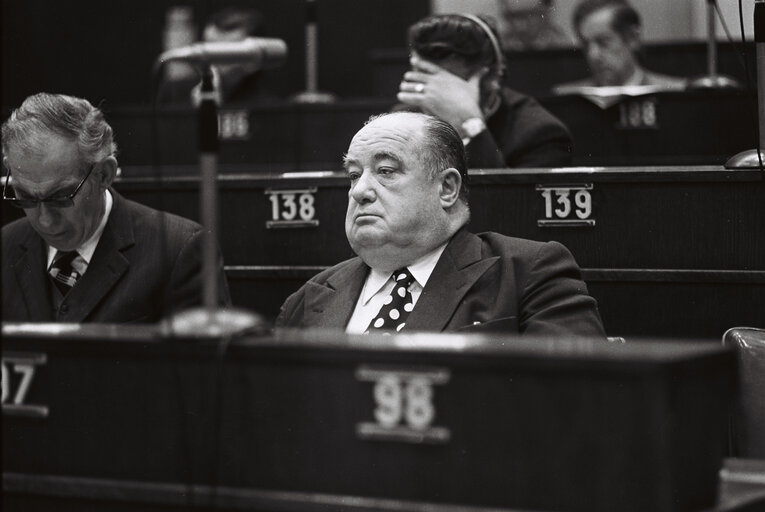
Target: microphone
[(262, 52)]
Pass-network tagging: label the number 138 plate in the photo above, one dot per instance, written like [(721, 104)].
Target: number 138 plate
[(293, 208)]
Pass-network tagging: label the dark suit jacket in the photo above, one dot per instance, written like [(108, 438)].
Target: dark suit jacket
[(521, 133), (486, 282), (140, 271)]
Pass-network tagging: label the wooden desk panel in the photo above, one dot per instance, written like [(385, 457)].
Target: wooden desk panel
[(693, 218), (514, 422), (685, 128), (688, 128)]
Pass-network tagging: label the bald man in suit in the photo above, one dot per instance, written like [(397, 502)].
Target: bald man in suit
[(418, 267)]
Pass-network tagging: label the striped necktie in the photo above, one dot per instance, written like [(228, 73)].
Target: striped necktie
[(397, 306), (63, 274)]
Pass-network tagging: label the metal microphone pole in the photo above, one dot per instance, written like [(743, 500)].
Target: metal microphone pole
[(754, 158), (312, 94), (208, 168), (211, 319), (712, 80)]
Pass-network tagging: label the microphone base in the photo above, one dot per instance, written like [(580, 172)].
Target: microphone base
[(313, 97), (204, 322), (746, 160), (713, 82)]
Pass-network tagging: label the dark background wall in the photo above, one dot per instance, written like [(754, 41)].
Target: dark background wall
[(104, 50)]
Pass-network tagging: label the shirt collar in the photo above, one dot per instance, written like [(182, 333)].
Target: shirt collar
[(87, 249), (421, 270)]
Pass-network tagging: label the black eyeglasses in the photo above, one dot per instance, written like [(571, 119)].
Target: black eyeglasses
[(55, 202)]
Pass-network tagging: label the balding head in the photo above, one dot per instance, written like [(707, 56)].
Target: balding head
[(402, 202)]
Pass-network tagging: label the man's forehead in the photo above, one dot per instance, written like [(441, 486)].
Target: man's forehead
[(50, 157), (601, 20), (396, 128)]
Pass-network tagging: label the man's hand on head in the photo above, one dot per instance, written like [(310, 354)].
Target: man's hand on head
[(436, 91)]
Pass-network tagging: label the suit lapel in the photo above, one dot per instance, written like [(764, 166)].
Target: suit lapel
[(32, 277), (107, 265), (459, 267), (331, 305)]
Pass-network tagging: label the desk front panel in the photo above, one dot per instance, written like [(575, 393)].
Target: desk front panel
[(622, 218), (689, 128), (547, 424)]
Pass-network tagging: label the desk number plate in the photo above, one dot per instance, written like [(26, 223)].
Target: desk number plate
[(233, 125), (566, 205), (638, 114), (294, 208), (18, 373), (403, 405)]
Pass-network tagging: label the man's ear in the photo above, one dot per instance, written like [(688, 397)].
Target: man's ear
[(451, 183), (107, 172)]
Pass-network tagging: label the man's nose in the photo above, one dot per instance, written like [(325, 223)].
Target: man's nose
[(363, 190), (47, 216)]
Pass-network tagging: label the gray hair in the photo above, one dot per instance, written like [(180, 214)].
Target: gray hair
[(66, 116)]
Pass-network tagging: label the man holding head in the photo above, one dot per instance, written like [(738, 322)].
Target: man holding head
[(82, 253), (418, 267), (457, 73), (609, 34)]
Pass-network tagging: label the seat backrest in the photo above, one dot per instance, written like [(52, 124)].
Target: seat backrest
[(748, 421)]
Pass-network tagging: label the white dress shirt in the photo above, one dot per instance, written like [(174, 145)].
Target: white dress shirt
[(379, 285), (86, 250)]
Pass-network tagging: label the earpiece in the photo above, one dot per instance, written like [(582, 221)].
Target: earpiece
[(498, 55)]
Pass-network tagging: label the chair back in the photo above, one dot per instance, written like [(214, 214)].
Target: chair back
[(748, 422)]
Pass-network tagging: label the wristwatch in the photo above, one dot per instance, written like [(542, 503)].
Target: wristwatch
[(471, 128)]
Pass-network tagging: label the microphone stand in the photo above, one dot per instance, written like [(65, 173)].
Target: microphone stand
[(753, 158), (210, 319), (312, 94), (712, 80)]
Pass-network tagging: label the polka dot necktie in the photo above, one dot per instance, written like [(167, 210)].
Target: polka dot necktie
[(397, 306), (63, 274)]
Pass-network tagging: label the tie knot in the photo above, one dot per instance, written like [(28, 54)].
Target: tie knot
[(63, 274), (64, 259), (403, 276)]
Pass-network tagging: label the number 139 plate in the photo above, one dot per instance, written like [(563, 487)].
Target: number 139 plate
[(568, 205)]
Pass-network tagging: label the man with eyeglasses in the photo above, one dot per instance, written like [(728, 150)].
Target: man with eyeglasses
[(83, 253)]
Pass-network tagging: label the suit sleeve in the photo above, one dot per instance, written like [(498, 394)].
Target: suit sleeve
[(186, 283), (484, 153), (290, 314), (555, 299)]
